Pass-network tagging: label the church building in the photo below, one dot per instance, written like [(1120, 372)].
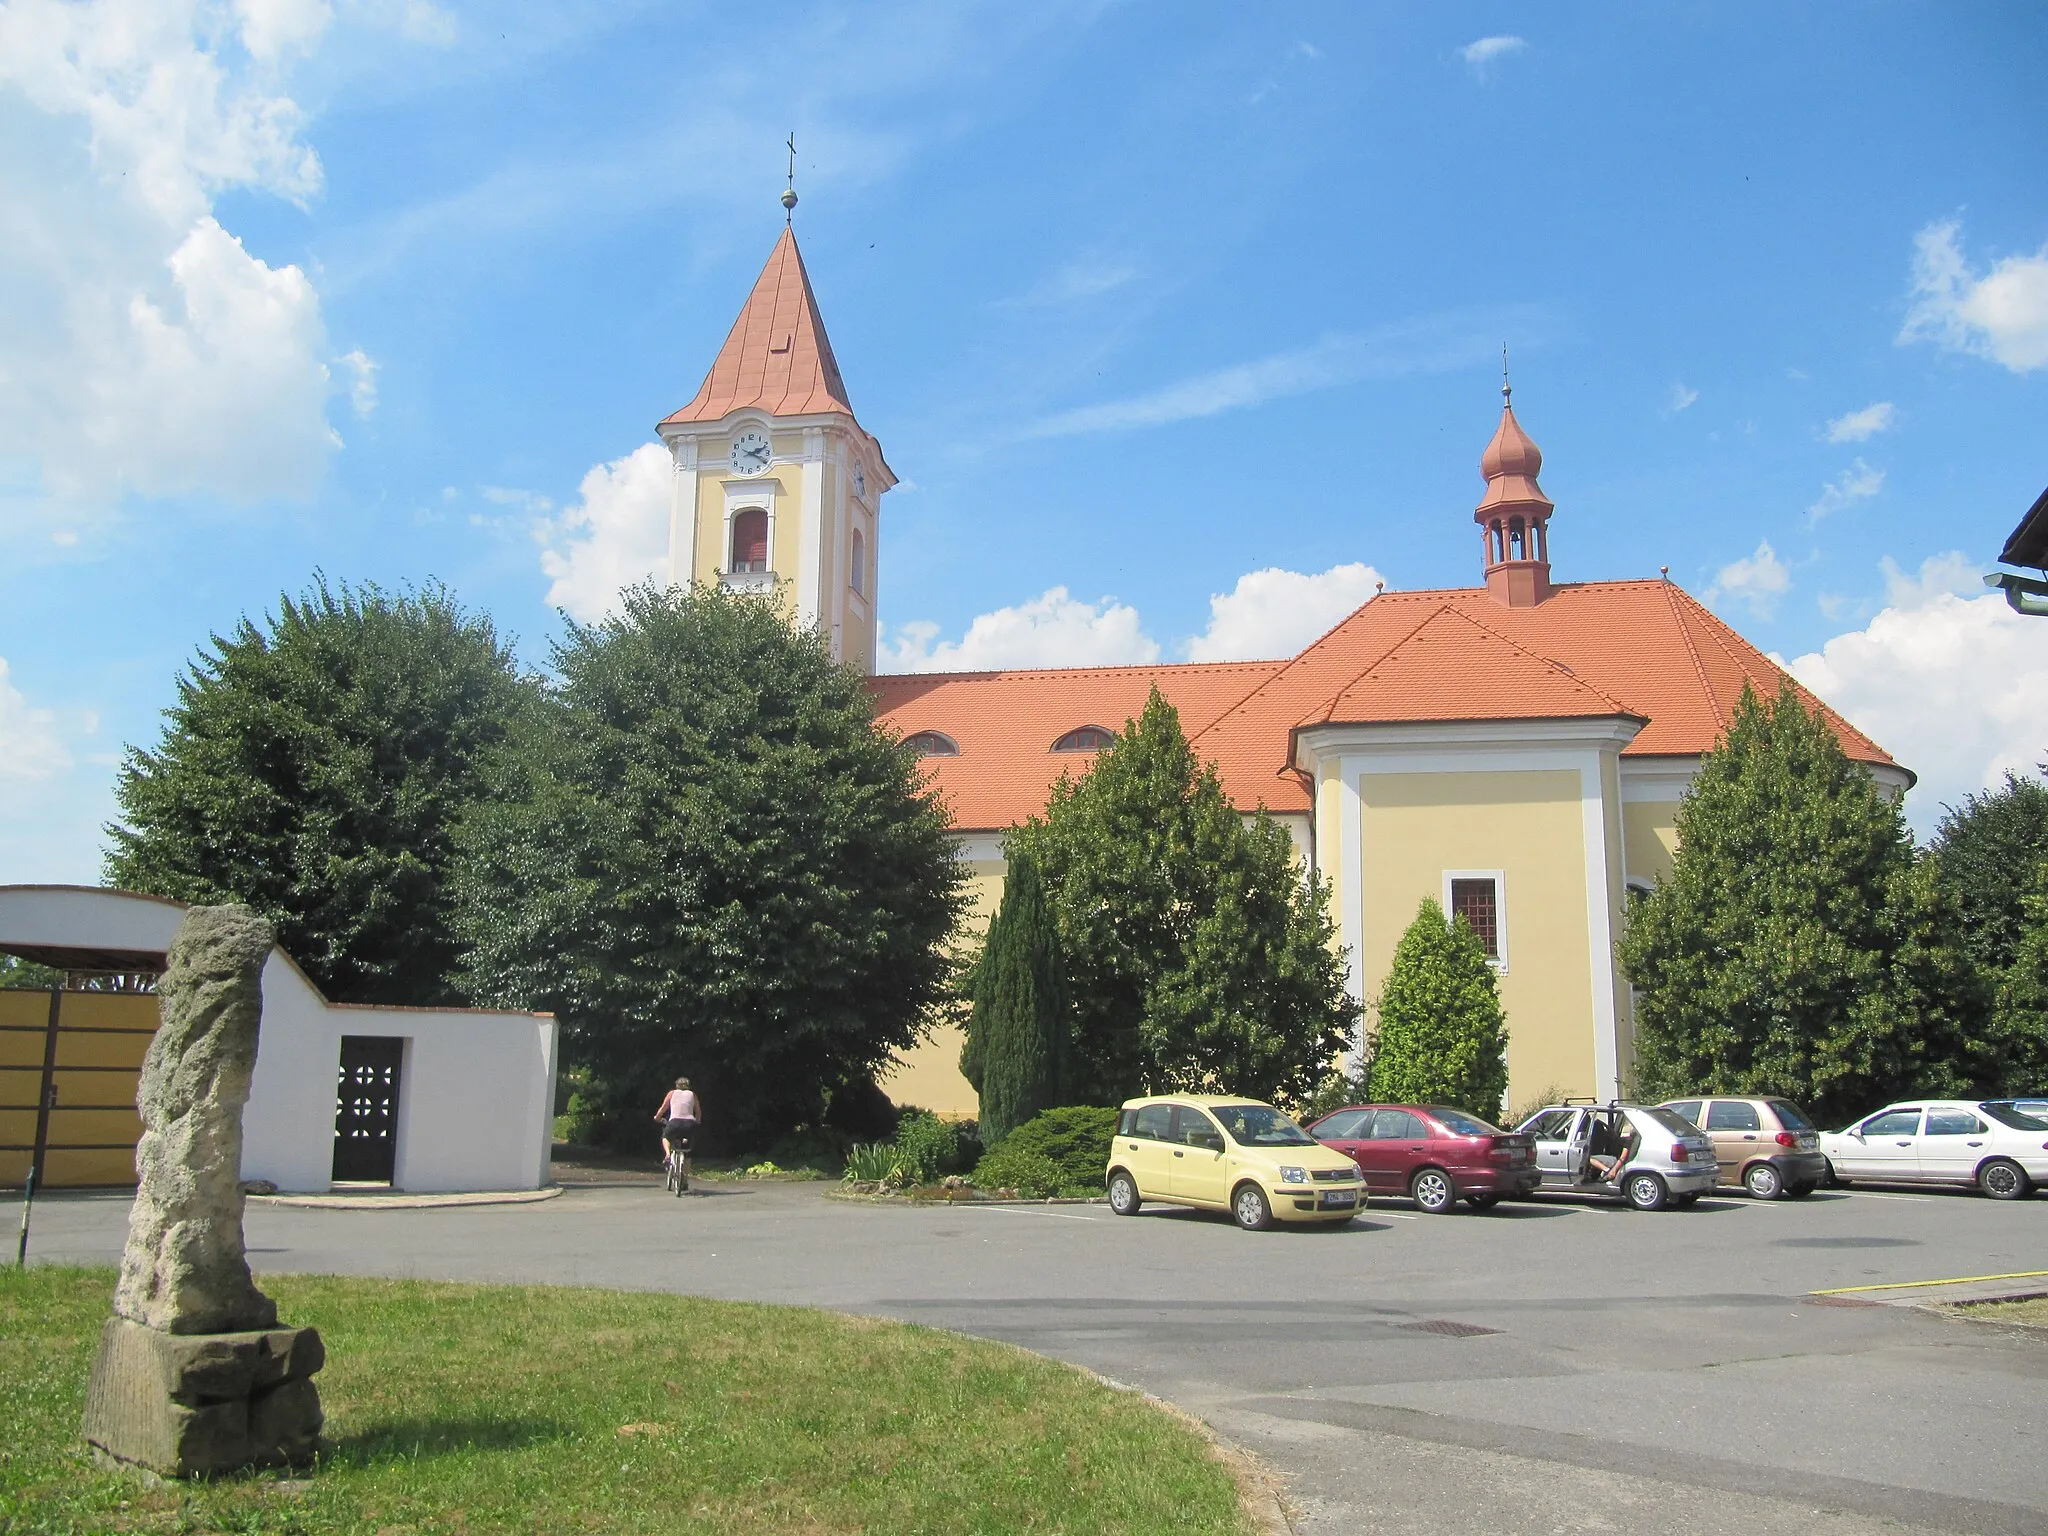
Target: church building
[(1516, 749)]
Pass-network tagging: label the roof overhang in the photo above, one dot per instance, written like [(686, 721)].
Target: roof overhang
[(2029, 542)]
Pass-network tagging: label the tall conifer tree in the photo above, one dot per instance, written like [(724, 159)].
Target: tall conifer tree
[(1019, 1028)]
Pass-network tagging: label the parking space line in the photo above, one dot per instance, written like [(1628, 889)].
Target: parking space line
[(1864, 1194), (1914, 1285)]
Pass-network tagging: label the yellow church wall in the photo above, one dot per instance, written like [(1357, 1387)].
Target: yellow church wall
[(928, 1074), (1529, 825), (1650, 838)]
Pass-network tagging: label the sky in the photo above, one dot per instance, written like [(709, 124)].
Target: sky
[(1181, 325)]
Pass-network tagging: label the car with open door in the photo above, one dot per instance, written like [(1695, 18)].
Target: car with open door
[(1770, 1147), (1219, 1153), (1666, 1159), (1435, 1154), (1990, 1143)]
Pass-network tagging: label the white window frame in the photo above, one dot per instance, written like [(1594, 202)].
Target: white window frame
[(1499, 961)]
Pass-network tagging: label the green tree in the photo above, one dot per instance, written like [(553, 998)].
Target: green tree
[(1197, 955), (2021, 1013), (1017, 1033), (314, 766), (1799, 947), (709, 862), (17, 972), (1990, 848), (1441, 1037)]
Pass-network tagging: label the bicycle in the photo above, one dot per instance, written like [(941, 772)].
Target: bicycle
[(676, 1171)]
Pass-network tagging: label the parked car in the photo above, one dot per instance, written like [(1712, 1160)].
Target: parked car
[(1986, 1142), (1673, 1162), (1769, 1146), (1226, 1154), (1432, 1152)]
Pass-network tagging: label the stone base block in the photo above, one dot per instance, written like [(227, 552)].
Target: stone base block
[(184, 1405)]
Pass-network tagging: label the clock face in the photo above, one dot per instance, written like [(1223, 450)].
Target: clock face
[(860, 481), (750, 453)]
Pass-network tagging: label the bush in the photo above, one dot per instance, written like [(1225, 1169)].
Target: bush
[(926, 1147), (1059, 1151)]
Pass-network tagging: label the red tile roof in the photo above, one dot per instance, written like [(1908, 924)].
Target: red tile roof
[(777, 357), (1592, 649)]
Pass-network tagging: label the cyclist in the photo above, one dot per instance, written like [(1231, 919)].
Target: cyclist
[(678, 1118)]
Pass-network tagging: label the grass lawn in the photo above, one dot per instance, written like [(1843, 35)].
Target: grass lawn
[(466, 1409), (2033, 1312)]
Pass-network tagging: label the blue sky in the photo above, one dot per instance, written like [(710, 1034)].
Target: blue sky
[(1181, 323)]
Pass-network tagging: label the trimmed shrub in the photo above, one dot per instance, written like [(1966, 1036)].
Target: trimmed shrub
[(1056, 1152), (926, 1147)]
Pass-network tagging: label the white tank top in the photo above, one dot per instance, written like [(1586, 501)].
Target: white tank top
[(682, 1104)]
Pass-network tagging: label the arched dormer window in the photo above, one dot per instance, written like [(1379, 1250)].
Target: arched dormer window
[(1089, 738), (857, 575), (749, 540), (932, 744)]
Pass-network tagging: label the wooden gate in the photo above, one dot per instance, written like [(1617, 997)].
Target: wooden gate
[(366, 1111), (69, 1065)]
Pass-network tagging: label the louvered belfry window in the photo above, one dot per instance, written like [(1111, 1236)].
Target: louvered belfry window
[(1478, 902)]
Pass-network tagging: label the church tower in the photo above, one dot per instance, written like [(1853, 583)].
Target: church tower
[(778, 488), (1514, 514)]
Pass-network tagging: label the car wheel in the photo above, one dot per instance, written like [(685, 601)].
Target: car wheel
[(1832, 1179), (1798, 1191), (1646, 1192), (1762, 1180), (1432, 1191), (1482, 1202), (1123, 1194), (1251, 1209), (2004, 1180)]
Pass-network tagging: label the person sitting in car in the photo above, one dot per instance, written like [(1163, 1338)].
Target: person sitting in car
[(1607, 1169)]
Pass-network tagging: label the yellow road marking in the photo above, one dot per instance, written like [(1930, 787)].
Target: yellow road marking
[(1914, 1285)]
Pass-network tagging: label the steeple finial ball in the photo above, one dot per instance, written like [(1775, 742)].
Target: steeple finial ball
[(788, 198)]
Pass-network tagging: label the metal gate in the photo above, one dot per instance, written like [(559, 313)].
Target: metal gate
[(69, 1064), (366, 1109)]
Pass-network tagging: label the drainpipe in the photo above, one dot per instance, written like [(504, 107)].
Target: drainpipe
[(2022, 593)]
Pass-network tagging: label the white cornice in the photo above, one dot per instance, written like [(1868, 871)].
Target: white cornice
[(1463, 736)]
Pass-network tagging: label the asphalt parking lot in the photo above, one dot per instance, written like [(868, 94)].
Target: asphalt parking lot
[(1550, 1366)]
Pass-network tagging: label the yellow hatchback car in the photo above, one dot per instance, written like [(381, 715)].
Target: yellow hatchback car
[(1226, 1154)]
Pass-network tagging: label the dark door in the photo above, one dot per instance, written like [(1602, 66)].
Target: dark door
[(366, 1109)]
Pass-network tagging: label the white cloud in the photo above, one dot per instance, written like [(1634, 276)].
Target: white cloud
[(31, 745), (1274, 613), (274, 28), (1435, 344), (614, 535), (1859, 482), (362, 392), (143, 349), (1954, 687), (2002, 315), (1680, 399), (1487, 51), (1075, 281), (1054, 630), (1861, 426), (1756, 581)]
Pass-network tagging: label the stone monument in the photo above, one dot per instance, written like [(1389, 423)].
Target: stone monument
[(194, 1376)]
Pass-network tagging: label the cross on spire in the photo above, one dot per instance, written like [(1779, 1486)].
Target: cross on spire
[(789, 191)]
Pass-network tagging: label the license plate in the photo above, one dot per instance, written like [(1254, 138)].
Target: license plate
[(1339, 1200)]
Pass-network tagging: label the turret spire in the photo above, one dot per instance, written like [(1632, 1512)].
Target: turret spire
[(1514, 514)]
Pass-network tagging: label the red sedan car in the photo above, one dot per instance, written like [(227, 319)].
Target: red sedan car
[(1437, 1154)]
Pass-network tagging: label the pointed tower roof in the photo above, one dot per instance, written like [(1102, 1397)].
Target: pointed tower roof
[(777, 357), (1510, 465)]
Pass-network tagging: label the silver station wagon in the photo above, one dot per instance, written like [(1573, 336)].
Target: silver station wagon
[(1663, 1159)]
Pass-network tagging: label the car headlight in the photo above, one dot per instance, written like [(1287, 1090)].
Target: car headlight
[(1293, 1175)]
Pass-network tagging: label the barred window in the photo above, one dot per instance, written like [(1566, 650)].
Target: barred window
[(1478, 902)]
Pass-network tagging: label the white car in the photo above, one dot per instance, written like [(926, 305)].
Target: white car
[(1985, 1142)]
